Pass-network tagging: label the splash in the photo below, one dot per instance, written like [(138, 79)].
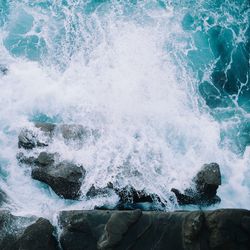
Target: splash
[(158, 79)]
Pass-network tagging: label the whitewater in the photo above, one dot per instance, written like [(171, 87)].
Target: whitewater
[(166, 84)]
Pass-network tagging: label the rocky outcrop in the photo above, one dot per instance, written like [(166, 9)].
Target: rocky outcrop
[(41, 134), (224, 229), (25, 233), (206, 182), (65, 177), (216, 230)]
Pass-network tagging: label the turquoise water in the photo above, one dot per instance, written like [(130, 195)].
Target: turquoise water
[(166, 82)]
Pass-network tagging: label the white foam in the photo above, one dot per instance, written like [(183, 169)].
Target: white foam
[(144, 102)]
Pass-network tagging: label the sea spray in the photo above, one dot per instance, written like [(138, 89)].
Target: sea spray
[(148, 75)]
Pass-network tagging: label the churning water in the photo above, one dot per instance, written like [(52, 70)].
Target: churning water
[(165, 82)]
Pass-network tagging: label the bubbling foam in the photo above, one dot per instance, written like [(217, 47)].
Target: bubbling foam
[(129, 80)]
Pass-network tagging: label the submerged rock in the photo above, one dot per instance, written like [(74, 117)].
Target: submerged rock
[(207, 181), (45, 127), (65, 177), (3, 69), (182, 230)]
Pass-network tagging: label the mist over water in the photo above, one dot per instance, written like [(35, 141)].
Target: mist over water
[(166, 84)]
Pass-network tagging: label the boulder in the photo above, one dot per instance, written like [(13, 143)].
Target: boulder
[(223, 229), (28, 139), (25, 233), (38, 236), (65, 177), (208, 179), (39, 136), (206, 183), (11, 228)]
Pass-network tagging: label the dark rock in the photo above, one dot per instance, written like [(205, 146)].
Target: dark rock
[(48, 128), (135, 230), (28, 140), (77, 135), (71, 133), (3, 70), (117, 225), (3, 197), (206, 184), (93, 191), (65, 178), (45, 159), (226, 230), (11, 229), (208, 180), (75, 132), (25, 160), (191, 229), (130, 198), (38, 236), (245, 222), (25, 233)]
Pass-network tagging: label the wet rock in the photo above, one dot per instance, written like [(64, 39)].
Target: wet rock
[(136, 230), (38, 236), (206, 182), (27, 139), (77, 135), (75, 132), (117, 225), (3, 69), (11, 229), (43, 133), (130, 198), (45, 158), (93, 191), (3, 197), (65, 177), (192, 229), (45, 127), (40, 136), (226, 230), (28, 160), (208, 179), (25, 233)]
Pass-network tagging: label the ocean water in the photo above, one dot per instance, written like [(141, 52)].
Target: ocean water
[(165, 82)]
